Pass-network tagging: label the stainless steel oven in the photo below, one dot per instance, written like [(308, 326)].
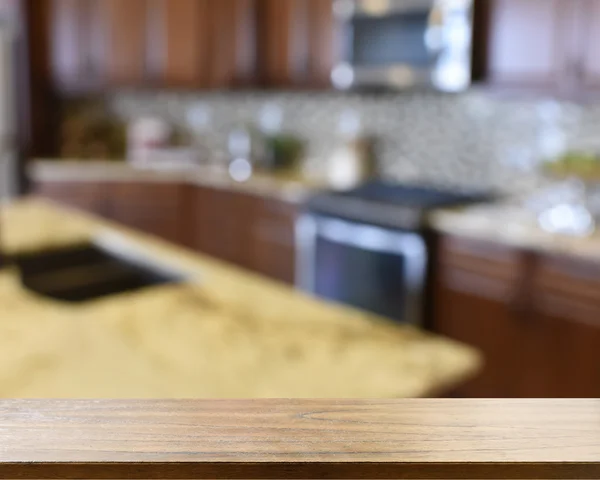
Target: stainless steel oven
[(399, 44), (373, 268)]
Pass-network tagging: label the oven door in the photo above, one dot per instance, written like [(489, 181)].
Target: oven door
[(404, 43), (371, 268)]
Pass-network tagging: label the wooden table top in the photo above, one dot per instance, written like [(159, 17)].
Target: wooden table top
[(342, 439)]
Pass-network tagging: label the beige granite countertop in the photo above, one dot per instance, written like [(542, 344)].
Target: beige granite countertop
[(515, 225), (285, 186), (224, 333)]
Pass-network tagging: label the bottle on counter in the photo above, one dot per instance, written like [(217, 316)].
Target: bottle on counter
[(245, 151), (199, 122), (145, 136), (352, 161)]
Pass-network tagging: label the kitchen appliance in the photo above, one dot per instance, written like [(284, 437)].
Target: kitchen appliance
[(368, 247), (398, 44)]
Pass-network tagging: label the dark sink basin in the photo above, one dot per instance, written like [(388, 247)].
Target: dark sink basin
[(85, 272)]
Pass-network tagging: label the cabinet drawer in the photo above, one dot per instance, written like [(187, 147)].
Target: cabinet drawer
[(570, 276), (479, 256), (478, 284), (568, 287)]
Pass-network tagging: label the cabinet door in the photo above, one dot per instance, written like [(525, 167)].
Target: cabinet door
[(92, 197), (590, 68), (187, 26), (283, 41), (273, 250), (208, 44), (68, 40), (477, 301), (233, 62), (73, 33), (295, 42), (527, 43), (154, 208), (563, 337), (213, 222), (125, 40), (322, 42)]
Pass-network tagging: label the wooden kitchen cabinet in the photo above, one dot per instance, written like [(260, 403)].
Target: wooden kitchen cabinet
[(590, 58), (476, 302), (296, 42), (527, 43), (187, 45), (234, 30), (70, 42), (247, 230), (221, 223), (563, 351), (535, 318), (77, 42), (190, 43), (545, 46), (155, 208), (208, 44), (90, 197), (250, 231), (273, 244), (126, 41), (99, 43), (323, 45)]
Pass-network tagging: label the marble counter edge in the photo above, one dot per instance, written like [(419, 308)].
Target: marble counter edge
[(514, 227), (263, 184)]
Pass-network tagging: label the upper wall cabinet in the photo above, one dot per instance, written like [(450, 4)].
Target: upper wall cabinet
[(124, 41), (543, 45), (590, 60), (99, 42), (296, 42), (186, 27), (234, 29), (202, 44), (71, 43), (207, 43), (526, 43)]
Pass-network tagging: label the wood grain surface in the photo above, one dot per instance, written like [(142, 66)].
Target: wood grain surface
[(418, 439)]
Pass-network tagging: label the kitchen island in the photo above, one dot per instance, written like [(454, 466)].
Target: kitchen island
[(222, 333)]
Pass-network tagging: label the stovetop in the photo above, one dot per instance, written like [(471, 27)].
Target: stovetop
[(389, 204)]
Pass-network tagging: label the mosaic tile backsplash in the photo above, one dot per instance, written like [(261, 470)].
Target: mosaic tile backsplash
[(470, 140)]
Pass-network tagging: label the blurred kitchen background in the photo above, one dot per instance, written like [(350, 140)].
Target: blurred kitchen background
[(432, 161)]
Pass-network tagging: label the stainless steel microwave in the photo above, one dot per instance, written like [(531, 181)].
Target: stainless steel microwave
[(399, 44)]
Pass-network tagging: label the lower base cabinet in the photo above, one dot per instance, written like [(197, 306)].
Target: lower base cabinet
[(154, 208), (250, 231), (535, 318), (254, 232)]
